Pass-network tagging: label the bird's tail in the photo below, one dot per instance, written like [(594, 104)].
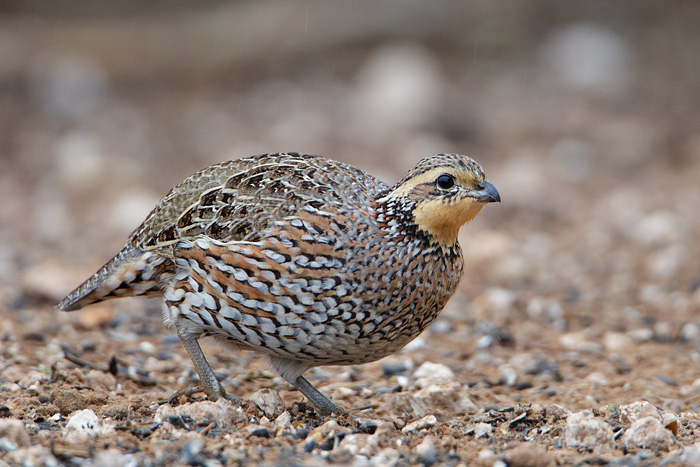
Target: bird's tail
[(131, 272)]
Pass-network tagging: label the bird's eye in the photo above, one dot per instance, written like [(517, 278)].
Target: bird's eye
[(445, 181)]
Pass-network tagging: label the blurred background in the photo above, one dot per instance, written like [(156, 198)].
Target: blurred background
[(583, 114)]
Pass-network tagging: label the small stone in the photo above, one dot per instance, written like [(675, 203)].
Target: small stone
[(404, 404), (451, 396), (100, 380), (671, 422), (359, 444), (434, 371), (579, 341), (556, 412), (269, 401), (425, 422), (222, 413), (641, 335), (526, 455), (648, 433), (597, 379), (33, 378), (486, 455), (85, 421), (691, 454), (385, 457), (68, 401), (284, 420), (15, 434), (426, 451), (483, 430), (617, 342), (585, 431), (630, 413)]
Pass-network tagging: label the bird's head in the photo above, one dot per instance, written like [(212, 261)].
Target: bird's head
[(440, 194)]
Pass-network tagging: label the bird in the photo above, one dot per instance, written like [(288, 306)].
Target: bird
[(309, 261)]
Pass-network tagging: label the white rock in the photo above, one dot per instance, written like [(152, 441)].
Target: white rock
[(641, 335), (284, 420), (691, 454), (452, 396), (85, 421), (269, 401), (434, 371), (597, 379), (14, 432), (486, 455), (359, 444), (426, 451), (617, 341), (579, 341), (585, 431), (630, 413), (222, 413), (425, 422), (648, 433), (387, 457), (660, 227), (690, 332), (482, 430)]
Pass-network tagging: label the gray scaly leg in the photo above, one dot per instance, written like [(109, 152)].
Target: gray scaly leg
[(208, 382)]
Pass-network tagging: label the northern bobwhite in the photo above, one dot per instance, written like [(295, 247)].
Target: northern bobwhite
[(310, 261)]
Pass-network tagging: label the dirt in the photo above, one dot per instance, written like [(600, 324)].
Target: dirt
[(574, 338)]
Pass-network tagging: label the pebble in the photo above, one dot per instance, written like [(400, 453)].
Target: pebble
[(486, 455), (100, 380), (426, 451), (222, 413), (434, 371), (451, 396), (283, 421), (359, 444), (483, 430), (85, 421), (641, 335), (597, 379), (14, 433), (585, 431), (425, 422), (648, 433), (34, 455), (691, 454), (671, 422), (528, 455), (269, 401), (68, 401), (630, 413), (579, 341), (617, 342), (405, 405), (385, 458), (556, 412)]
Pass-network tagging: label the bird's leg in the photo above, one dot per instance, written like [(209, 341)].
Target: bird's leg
[(324, 404), (207, 380)]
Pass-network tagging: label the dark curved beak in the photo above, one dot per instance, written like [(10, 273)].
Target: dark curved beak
[(488, 194)]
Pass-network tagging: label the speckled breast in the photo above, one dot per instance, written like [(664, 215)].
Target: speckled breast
[(319, 288)]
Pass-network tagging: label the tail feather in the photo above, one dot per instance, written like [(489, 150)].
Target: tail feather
[(131, 272)]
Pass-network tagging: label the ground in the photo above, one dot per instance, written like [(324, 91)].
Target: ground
[(574, 338)]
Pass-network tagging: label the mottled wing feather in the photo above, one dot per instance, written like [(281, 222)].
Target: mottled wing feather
[(238, 200)]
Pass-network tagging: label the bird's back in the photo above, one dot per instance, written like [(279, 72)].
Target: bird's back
[(235, 201)]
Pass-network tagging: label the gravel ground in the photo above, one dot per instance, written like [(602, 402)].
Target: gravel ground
[(574, 338)]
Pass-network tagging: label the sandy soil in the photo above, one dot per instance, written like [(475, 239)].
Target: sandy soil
[(574, 338)]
